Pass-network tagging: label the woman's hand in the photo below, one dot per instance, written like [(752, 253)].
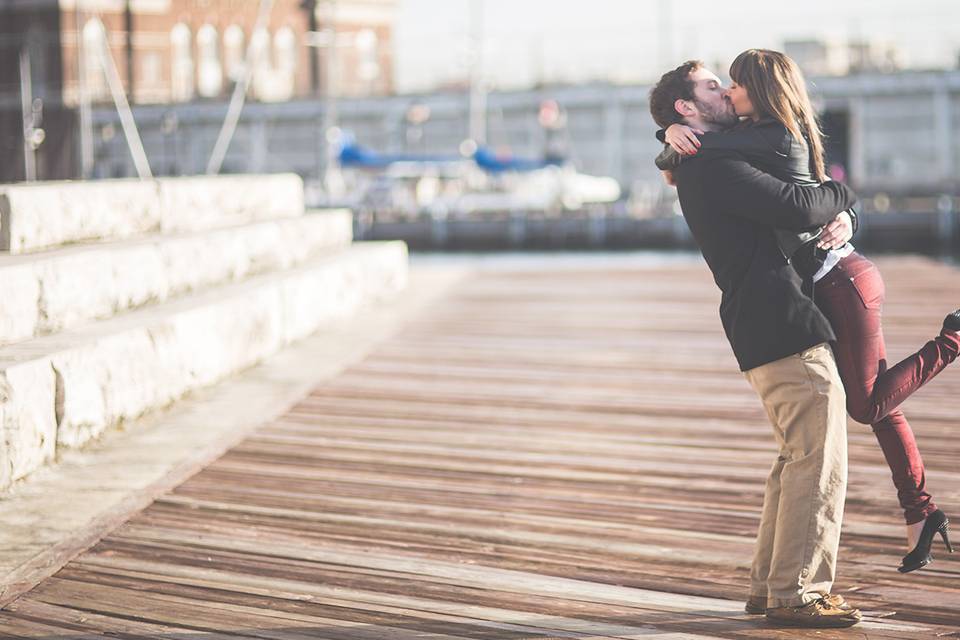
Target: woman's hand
[(683, 139)]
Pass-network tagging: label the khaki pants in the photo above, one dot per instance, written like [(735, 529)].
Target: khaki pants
[(796, 554)]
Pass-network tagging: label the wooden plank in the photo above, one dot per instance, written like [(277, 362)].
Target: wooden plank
[(87, 622)]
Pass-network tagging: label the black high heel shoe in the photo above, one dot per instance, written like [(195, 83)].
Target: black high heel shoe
[(935, 523), (952, 321)]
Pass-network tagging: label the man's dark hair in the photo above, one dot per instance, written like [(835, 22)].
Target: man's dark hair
[(673, 85)]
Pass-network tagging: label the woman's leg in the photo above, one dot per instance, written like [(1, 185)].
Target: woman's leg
[(851, 296), (900, 450)]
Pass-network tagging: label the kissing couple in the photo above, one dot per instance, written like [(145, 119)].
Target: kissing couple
[(801, 309)]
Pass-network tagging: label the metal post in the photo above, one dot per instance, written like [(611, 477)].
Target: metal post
[(943, 128), (26, 105), (332, 179), (328, 38), (239, 94), (613, 117), (123, 109), (128, 27), (478, 93), (946, 222), (310, 6), (857, 171), (86, 119)]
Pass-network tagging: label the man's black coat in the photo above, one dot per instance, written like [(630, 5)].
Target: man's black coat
[(732, 209)]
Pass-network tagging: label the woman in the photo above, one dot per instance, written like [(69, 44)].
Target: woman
[(779, 134)]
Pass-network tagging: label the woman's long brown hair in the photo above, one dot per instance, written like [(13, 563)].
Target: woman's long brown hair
[(777, 89)]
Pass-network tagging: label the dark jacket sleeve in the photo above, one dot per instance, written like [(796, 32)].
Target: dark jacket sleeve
[(668, 159), (742, 190)]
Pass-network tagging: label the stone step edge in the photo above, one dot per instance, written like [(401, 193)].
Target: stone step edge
[(49, 292), (43, 215), (64, 390)]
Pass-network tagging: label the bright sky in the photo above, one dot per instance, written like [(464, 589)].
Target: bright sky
[(531, 40)]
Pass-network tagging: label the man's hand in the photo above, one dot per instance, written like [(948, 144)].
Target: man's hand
[(668, 178), (683, 139), (836, 233)]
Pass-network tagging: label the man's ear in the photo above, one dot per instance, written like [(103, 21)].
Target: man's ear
[(684, 107)]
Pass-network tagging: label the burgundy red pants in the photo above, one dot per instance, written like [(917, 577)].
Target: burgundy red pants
[(851, 296)]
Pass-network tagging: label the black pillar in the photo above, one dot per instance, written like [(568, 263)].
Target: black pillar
[(310, 6), (128, 27)]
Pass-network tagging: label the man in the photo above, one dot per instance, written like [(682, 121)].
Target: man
[(781, 341)]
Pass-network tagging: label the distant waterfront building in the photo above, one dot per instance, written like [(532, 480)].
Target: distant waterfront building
[(181, 50), (893, 132), (838, 57)]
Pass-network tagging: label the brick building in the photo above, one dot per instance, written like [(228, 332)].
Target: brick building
[(182, 50), (170, 51)]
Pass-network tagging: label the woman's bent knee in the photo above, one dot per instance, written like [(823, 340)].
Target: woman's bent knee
[(868, 414)]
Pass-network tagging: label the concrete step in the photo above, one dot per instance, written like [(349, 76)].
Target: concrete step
[(45, 215), (65, 389), (52, 291)]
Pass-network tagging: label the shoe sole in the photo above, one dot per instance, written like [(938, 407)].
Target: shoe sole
[(833, 623), (914, 568)]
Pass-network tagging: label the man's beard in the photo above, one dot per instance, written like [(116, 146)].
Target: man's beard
[(723, 116)]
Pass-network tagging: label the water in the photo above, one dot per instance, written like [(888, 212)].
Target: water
[(520, 260)]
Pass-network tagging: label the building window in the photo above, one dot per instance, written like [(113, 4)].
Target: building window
[(262, 67), (233, 52), (151, 86), (367, 48), (285, 54), (209, 71), (181, 81)]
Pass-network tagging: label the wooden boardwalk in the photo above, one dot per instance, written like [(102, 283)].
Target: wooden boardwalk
[(545, 452)]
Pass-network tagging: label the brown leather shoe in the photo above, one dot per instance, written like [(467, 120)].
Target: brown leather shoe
[(757, 605), (817, 614)]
